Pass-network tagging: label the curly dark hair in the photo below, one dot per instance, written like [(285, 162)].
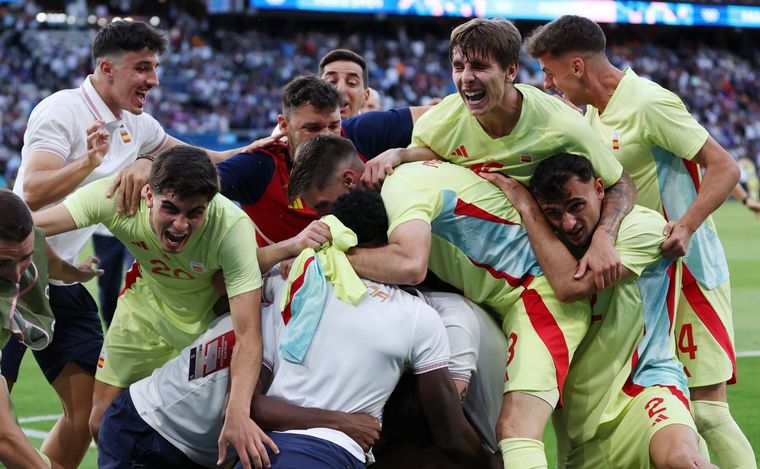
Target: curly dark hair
[(121, 36), (309, 89), (363, 211), (548, 182)]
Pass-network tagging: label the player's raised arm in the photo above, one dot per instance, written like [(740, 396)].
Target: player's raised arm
[(54, 220)]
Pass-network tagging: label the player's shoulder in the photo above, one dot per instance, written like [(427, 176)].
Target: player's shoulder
[(641, 220), (61, 104), (642, 93), (449, 111)]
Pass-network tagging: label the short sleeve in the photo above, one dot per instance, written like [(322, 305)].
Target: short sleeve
[(669, 125), (375, 132), (430, 346), (89, 205), (462, 330), (48, 131), (237, 254), (246, 176), (640, 238), (403, 204), (152, 135)]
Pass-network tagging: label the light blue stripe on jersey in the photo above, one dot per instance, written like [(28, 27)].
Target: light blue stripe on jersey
[(306, 308), (503, 247), (705, 258), (657, 364)]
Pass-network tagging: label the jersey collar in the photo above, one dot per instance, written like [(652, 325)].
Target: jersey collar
[(96, 104)]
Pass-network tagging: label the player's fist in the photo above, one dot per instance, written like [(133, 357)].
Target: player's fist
[(677, 242)]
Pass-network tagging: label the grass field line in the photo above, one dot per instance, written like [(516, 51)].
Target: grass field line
[(748, 353), (39, 418), (40, 435)]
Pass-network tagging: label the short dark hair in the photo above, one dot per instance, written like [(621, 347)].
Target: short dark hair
[(568, 33), (309, 89), (551, 175), (363, 211), (16, 218), (346, 55), (315, 163), (483, 38), (127, 36), (184, 171)]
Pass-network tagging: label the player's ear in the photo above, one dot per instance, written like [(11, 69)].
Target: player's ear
[(511, 74), (282, 122), (148, 194), (599, 187), (578, 66), (349, 178)]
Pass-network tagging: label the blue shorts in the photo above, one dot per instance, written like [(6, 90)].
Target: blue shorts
[(304, 451), (77, 337), (126, 441)]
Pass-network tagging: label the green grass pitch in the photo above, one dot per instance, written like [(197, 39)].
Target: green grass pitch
[(740, 234)]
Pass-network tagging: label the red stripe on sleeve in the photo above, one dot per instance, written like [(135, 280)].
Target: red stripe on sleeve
[(297, 283)]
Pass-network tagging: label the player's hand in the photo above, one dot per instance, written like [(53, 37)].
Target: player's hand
[(313, 236), (279, 137), (381, 166), (87, 271), (129, 183), (603, 260), (98, 140), (677, 242), (242, 433), (753, 205), (364, 429), (515, 192)]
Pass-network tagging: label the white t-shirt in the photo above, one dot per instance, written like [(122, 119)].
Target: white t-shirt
[(357, 354), (58, 124), (184, 399), (478, 355)]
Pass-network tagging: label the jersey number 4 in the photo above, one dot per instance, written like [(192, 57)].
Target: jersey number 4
[(686, 341)]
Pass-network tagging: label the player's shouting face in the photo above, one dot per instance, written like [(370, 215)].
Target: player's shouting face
[(174, 219), (577, 216), (480, 81), (131, 75)]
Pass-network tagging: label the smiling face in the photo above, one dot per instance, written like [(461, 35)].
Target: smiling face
[(307, 122), (480, 81), (130, 76), (348, 78), (15, 258), (561, 75), (578, 215), (174, 219)]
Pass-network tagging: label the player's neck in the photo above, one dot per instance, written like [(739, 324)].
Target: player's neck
[(101, 87), (501, 120), (605, 82)]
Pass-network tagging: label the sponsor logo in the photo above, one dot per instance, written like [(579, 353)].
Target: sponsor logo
[(461, 151)]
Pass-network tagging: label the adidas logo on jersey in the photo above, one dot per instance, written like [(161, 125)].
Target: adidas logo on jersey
[(461, 151)]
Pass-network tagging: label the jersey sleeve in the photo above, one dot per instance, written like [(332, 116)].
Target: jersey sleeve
[(374, 132), (404, 204), (246, 176), (238, 258), (639, 239), (430, 346), (667, 124), (89, 205), (462, 330), (152, 135), (47, 131)]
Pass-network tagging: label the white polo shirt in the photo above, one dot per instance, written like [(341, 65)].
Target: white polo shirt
[(58, 124)]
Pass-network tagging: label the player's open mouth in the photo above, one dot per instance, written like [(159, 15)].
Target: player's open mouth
[(474, 97), (141, 94), (174, 241)]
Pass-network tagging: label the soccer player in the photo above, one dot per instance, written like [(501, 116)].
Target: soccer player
[(24, 308), (446, 218), (492, 124), (54, 163), (347, 71), (327, 408), (182, 234), (626, 398), (664, 149), (310, 107)]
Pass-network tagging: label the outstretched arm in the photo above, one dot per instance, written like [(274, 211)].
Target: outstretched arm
[(601, 257), (61, 270), (719, 180), (403, 261), (381, 166), (54, 220)]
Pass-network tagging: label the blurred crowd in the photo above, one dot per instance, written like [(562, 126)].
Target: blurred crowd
[(216, 80)]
